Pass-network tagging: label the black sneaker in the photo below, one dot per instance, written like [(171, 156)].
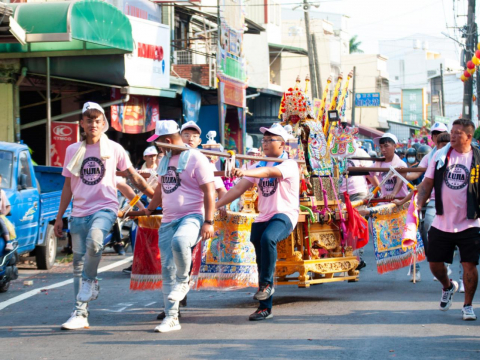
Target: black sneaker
[(447, 296), (161, 316), (361, 265), (128, 270), (261, 314), (264, 292), (183, 303)]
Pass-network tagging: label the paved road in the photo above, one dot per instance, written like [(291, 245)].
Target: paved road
[(380, 317)]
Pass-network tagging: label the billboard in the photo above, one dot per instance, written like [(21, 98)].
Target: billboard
[(413, 107), (62, 134)]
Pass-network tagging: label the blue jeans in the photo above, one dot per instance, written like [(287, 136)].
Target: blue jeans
[(175, 240), (265, 236), (88, 234)]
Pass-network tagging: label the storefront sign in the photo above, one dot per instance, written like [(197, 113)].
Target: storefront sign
[(232, 93), (192, 101), (137, 116), (149, 64), (143, 9), (62, 134)]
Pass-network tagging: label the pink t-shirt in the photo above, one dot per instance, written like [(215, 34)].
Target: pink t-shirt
[(424, 164), (356, 184), (95, 189), (181, 193), (3, 203), (389, 185), (280, 196), (217, 179), (454, 193)]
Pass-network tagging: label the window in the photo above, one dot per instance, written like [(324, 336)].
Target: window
[(6, 166), (24, 168), (396, 77)]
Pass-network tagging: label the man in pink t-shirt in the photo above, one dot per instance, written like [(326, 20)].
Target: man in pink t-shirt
[(89, 171), (278, 204), (186, 192), (393, 187), (454, 174)]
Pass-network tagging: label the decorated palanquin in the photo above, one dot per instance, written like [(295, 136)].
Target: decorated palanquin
[(317, 251)]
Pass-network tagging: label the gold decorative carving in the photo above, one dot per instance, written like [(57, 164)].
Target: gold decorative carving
[(324, 240)]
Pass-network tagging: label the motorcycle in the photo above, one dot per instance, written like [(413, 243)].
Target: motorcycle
[(8, 268)]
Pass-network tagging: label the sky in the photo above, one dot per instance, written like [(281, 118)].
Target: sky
[(374, 20)]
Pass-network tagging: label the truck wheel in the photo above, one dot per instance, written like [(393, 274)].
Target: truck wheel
[(47, 253), (4, 287)]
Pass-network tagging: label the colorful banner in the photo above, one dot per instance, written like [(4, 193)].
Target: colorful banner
[(192, 101), (317, 105), (232, 93), (62, 134), (137, 116)]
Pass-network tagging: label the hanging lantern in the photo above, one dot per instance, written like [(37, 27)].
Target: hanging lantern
[(477, 54), (471, 71), (470, 65), (476, 60), (474, 98), (463, 78), (466, 74), (478, 46)]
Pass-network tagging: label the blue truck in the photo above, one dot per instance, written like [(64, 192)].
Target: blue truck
[(34, 193)]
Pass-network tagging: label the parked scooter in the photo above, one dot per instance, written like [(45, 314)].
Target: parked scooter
[(8, 268)]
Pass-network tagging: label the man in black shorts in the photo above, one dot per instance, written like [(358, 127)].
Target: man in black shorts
[(454, 174)]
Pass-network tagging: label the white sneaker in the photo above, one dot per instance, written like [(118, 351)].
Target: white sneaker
[(89, 291), (447, 296), (461, 287), (468, 314), (418, 277), (168, 324), (179, 291), (76, 322)]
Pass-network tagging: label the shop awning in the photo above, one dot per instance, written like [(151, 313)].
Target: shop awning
[(69, 29), (369, 132), (278, 48)]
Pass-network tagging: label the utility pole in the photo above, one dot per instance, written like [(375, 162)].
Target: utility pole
[(353, 95), (311, 65), (442, 91), (470, 47), (317, 66)]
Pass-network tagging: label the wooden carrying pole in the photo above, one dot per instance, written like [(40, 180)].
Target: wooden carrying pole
[(225, 154), (378, 169)]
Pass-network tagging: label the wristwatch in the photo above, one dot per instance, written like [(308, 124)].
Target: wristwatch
[(210, 222)]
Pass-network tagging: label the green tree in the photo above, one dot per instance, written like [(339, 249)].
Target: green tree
[(354, 45)]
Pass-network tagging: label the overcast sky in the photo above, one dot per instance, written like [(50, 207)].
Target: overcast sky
[(374, 20)]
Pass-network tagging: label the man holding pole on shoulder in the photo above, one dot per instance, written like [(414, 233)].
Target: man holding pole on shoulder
[(454, 174), (278, 203), (187, 196)]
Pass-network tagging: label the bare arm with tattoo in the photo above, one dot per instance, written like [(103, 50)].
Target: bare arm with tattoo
[(424, 192), (138, 181)]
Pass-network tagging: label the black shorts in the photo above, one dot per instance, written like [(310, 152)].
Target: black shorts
[(441, 245)]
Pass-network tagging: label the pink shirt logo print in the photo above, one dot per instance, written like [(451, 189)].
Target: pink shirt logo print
[(268, 187), (171, 181), (92, 171), (456, 177)]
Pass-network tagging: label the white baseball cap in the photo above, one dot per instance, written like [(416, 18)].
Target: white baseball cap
[(191, 125), (151, 150), (439, 127), (276, 129), (376, 141), (254, 151), (164, 127), (91, 105)]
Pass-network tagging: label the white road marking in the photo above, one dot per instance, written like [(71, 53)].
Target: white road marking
[(150, 303), (31, 293)]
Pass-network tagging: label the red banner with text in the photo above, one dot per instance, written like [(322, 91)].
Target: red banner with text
[(137, 116), (63, 134)]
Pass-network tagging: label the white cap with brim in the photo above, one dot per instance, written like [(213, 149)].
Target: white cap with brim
[(440, 127), (376, 141), (276, 129), (164, 127), (91, 105), (151, 150), (191, 125), (254, 151)]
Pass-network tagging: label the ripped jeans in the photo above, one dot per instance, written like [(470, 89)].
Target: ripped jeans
[(88, 234)]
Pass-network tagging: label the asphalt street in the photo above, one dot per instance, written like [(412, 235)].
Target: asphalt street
[(380, 317)]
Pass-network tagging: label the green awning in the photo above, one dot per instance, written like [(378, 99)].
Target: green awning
[(277, 48), (70, 29)]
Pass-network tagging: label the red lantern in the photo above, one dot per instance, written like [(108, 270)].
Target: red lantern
[(477, 53), (466, 74), (470, 65)]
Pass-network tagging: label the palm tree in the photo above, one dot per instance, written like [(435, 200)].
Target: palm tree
[(354, 45)]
